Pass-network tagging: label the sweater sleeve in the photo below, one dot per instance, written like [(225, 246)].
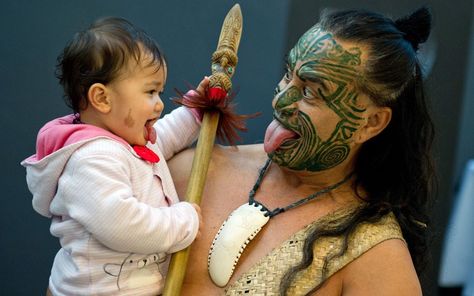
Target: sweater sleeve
[(97, 193), (176, 131)]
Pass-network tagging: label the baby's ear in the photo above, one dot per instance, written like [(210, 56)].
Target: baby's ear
[(98, 98)]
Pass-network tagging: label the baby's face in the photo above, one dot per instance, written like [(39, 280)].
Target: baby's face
[(136, 103)]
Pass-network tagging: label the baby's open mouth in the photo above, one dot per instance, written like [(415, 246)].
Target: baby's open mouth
[(149, 131)]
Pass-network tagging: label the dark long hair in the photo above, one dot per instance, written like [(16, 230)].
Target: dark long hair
[(393, 78)]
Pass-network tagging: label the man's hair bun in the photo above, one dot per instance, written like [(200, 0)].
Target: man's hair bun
[(416, 26)]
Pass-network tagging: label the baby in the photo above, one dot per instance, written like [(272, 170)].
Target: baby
[(101, 173)]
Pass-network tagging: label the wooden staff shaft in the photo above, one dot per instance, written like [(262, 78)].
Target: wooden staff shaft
[(197, 180)]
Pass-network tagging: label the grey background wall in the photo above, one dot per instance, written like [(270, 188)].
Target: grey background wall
[(33, 33)]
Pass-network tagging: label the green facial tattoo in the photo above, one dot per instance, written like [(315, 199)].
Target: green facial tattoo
[(319, 59)]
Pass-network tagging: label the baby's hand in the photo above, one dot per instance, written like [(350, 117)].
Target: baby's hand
[(203, 85), (198, 210), (196, 94)]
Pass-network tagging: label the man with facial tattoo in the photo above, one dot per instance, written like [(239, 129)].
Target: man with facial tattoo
[(334, 201)]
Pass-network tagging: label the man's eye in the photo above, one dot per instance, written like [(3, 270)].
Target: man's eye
[(307, 93), (287, 76)]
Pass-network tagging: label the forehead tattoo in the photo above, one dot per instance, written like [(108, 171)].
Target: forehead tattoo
[(322, 60)]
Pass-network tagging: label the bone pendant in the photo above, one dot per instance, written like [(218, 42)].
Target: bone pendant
[(236, 232)]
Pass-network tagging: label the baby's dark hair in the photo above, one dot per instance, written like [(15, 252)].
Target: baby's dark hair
[(99, 55)]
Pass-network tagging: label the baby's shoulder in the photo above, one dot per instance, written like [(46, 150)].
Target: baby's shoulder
[(102, 147)]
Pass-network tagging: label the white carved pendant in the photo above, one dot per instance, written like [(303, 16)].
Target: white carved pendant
[(230, 241)]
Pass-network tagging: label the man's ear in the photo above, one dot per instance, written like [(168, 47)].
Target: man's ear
[(98, 98), (377, 121)]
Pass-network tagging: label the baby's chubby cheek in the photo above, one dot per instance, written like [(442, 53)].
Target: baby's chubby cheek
[(129, 121)]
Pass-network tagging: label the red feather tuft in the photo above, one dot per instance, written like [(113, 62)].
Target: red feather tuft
[(215, 99)]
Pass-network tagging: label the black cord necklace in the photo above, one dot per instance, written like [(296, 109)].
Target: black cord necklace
[(242, 225), (300, 202)]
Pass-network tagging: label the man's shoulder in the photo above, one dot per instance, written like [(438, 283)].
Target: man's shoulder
[(395, 274), (224, 155), (227, 163), (243, 154), (224, 159)]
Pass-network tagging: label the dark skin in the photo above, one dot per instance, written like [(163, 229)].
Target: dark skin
[(232, 173)]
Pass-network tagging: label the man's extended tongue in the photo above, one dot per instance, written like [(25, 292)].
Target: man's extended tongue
[(151, 133), (275, 135)]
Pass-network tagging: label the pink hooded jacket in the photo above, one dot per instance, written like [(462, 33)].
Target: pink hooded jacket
[(109, 205)]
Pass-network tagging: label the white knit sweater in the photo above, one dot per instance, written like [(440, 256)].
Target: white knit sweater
[(117, 216)]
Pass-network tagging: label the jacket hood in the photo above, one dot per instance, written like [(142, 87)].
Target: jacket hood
[(56, 142)]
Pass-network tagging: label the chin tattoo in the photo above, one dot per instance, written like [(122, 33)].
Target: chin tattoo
[(319, 58)]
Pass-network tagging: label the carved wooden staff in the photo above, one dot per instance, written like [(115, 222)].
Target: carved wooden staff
[(224, 61)]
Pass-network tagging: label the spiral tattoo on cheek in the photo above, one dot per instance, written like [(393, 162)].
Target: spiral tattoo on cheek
[(328, 154), (310, 152)]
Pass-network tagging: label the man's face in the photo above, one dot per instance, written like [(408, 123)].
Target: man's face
[(316, 106)]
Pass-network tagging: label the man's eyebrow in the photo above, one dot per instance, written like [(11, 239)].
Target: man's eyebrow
[(310, 76)]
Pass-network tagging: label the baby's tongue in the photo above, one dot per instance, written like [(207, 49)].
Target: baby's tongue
[(150, 133), (275, 135)]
